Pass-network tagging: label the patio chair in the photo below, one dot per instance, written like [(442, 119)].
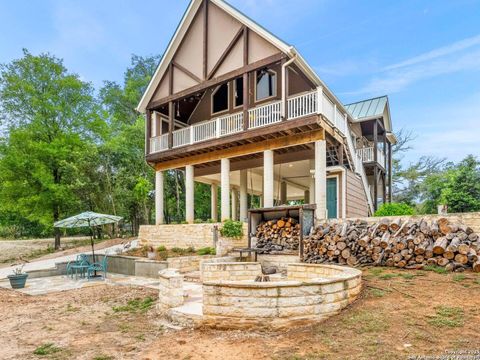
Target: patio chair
[(81, 263), (98, 267)]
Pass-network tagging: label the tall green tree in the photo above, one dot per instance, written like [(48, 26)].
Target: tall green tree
[(52, 124), (126, 180)]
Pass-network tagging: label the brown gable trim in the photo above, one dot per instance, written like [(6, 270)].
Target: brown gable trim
[(186, 71), (215, 81), (226, 52)]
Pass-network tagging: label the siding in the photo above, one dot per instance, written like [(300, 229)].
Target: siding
[(357, 205)]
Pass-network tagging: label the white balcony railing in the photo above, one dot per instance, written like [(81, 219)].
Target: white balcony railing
[(265, 115), (367, 155), (181, 137), (231, 124), (302, 105), (204, 131), (159, 143)]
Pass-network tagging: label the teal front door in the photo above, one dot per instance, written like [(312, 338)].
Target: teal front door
[(332, 197)]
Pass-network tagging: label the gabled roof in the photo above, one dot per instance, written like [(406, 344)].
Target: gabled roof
[(370, 109), (185, 23)]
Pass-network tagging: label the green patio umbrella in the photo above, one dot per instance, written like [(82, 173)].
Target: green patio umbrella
[(88, 219)]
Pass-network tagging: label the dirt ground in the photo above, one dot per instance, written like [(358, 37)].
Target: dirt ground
[(399, 314), (41, 249)]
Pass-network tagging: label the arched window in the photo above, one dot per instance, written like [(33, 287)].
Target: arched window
[(220, 99), (266, 85)]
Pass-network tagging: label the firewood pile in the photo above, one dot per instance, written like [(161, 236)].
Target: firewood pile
[(277, 235), (410, 244)]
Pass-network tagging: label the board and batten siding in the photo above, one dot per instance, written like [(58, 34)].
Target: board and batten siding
[(357, 205)]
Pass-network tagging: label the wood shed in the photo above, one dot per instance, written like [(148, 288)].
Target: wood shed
[(302, 216)]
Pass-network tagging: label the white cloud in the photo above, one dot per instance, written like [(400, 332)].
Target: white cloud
[(463, 55), (437, 53)]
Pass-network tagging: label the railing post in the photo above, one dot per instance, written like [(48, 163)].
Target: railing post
[(217, 127), (319, 100), (191, 131)]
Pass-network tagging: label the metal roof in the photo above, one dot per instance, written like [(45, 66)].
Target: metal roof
[(368, 108)]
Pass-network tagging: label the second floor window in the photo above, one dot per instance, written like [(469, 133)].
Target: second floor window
[(220, 99), (238, 92), (266, 84)]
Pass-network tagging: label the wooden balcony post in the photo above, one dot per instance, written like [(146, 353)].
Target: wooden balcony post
[(148, 128), (171, 114)]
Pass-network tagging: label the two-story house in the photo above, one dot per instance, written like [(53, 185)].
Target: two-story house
[(241, 110)]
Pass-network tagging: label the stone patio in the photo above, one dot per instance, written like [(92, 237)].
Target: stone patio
[(52, 284)]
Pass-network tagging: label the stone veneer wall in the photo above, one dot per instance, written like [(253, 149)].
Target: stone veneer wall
[(278, 304), (184, 235), (185, 264), (171, 293), (230, 271)]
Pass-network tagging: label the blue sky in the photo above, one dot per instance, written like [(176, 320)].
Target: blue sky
[(424, 54)]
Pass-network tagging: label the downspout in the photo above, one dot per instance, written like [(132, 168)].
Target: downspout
[(284, 85)]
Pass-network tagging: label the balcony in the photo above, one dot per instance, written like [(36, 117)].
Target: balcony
[(271, 113), (367, 155)]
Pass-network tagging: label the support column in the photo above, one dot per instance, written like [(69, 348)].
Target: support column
[(243, 195), (321, 178), (311, 187), (159, 218), (306, 197), (213, 202), (268, 180), (189, 191), (283, 193), (389, 172), (225, 185), (234, 204)]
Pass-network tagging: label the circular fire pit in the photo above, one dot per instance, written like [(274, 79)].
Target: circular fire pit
[(310, 293)]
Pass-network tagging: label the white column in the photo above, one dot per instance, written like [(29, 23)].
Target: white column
[(225, 185), (243, 195), (189, 191), (159, 198), (234, 204), (311, 192), (321, 178), (213, 202), (268, 180)]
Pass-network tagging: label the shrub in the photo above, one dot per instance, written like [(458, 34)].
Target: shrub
[(206, 251), (232, 229), (177, 250), (161, 248), (198, 221), (393, 209)]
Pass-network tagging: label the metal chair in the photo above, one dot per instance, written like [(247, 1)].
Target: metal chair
[(81, 263), (98, 267)]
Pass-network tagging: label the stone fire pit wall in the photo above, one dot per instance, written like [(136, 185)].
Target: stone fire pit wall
[(230, 271), (311, 293)]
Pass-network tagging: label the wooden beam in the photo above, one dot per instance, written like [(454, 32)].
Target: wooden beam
[(170, 79), (205, 39), (171, 117), (148, 129), (287, 141), (216, 81), (246, 82), (226, 52), (251, 163), (186, 71)]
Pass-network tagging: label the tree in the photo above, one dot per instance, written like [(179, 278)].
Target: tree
[(52, 124), (126, 179), (408, 181)]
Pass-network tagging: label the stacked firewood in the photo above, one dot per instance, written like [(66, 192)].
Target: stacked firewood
[(404, 244), (277, 235)]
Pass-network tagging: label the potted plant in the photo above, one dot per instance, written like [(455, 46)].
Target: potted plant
[(18, 279), (151, 253)]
